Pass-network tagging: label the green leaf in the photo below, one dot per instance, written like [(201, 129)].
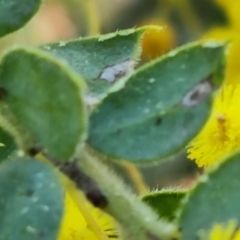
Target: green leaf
[(8, 146), (14, 14), (163, 105), (103, 59), (46, 98), (31, 203), (165, 202), (214, 200)]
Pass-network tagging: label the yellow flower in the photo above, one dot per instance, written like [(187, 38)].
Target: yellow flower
[(221, 134), (232, 11), (233, 65), (224, 232), (75, 227), (230, 33), (158, 41)]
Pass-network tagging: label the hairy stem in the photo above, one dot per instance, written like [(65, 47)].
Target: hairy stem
[(139, 222)]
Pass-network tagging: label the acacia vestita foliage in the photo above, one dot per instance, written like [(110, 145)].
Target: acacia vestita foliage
[(61, 99)]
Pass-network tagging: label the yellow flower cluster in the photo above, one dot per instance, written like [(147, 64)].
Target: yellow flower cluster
[(157, 42), (221, 134), (224, 232), (75, 226), (230, 33)]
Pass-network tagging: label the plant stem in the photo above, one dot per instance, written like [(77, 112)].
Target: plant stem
[(93, 19), (139, 222), (136, 177)]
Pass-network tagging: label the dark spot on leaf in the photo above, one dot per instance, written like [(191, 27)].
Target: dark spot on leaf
[(29, 192), (158, 121), (3, 93), (118, 131), (41, 234), (197, 93), (194, 95)]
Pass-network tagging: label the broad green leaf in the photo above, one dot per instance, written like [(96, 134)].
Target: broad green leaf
[(46, 98), (31, 201), (16, 13), (165, 202), (162, 106), (103, 59), (7, 146), (214, 200)]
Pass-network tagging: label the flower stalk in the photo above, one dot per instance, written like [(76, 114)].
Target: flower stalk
[(139, 222)]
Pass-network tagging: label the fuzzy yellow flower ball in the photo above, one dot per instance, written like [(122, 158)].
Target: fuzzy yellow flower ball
[(230, 32), (157, 41), (221, 134), (224, 232), (75, 227)]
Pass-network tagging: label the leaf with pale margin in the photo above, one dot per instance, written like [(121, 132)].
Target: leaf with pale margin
[(162, 107), (14, 14), (46, 97), (31, 205), (103, 59)]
